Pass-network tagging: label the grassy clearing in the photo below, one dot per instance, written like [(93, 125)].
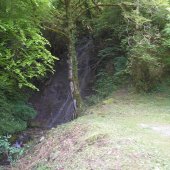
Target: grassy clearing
[(111, 136)]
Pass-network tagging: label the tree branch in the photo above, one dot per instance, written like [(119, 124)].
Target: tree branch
[(58, 31), (105, 5)]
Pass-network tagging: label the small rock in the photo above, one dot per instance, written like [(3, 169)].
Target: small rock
[(42, 138)]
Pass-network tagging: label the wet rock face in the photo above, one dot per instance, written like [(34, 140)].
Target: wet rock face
[(54, 103), (86, 54)]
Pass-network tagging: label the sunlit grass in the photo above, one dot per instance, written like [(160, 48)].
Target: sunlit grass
[(114, 134)]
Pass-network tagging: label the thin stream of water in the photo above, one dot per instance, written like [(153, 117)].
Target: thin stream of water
[(54, 103)]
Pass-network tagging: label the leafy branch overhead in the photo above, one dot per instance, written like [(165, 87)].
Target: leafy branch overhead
[(23, 53)]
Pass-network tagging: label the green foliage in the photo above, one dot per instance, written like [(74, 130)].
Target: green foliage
[(140, 31), (14, 112), (23, 55), (143, 44), (166, 44), (120, 64), (144, 62), (110, 24), (164, 86), (12, 153), (108, 82), (109, 79), (23, 58), (105, 84)]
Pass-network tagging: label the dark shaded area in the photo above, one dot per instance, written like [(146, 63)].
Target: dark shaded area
[(54, 103)]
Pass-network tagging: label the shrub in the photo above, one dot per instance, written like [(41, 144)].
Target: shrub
[(104, 84), (14, 110), (8, 151)]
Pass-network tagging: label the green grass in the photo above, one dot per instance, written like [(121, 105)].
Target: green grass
[(110, 136)]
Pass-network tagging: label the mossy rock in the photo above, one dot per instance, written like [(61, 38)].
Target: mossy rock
[(95, 138)]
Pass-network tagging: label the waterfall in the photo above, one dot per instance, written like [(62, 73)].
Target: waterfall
[(54, 103)]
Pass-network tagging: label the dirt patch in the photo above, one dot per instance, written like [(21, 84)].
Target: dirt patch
[(55, 147)]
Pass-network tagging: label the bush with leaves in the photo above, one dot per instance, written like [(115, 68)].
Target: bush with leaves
[(9, 152), (140, 30), (23, 55), (104, 84), (23, 58), (143, 42), (165, 48), (14, 110)]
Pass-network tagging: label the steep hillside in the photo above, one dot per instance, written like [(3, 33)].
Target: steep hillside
[(126, 131)]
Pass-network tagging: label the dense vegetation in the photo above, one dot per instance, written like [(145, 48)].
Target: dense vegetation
[(134, 37), (132, 41), (23, 58)]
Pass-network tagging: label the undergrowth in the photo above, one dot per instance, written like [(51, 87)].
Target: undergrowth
[(14, 111), (8, 152)]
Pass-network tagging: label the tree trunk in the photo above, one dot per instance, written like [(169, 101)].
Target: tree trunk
[(73, 64)]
